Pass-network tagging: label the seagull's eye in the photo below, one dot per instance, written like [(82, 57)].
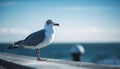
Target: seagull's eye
[(49, 22)]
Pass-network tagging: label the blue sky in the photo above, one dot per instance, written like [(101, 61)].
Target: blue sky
[(80, 20)]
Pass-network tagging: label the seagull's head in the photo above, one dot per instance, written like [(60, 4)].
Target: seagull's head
[(50, 23)]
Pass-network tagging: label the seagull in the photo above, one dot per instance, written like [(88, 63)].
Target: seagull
[(38, 39)]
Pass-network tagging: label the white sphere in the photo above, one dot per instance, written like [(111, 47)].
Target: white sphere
[(77, 49)]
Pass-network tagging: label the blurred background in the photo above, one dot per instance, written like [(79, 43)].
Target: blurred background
[(94, 24)]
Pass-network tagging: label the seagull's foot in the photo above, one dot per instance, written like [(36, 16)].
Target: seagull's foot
[(41, 59)]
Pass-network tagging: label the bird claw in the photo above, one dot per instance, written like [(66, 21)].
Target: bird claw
[(41, 59)]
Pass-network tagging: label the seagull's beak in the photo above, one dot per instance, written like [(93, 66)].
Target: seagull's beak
[(56, 24)]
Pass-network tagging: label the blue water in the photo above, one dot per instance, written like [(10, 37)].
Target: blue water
[(102, 53)]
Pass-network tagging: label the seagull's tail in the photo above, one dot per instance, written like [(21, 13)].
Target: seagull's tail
[(14, 45)]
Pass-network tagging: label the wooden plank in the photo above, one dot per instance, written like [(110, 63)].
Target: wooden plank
[(12, 61)]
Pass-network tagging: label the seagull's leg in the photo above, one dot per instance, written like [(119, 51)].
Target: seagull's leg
[(38, 54)]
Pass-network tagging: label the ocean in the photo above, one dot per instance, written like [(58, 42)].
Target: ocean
[(100, 53)]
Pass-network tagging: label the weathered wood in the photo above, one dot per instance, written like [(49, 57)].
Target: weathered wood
[(12, 61)]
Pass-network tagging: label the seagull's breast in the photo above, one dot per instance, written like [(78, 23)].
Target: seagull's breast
[(49, 36)]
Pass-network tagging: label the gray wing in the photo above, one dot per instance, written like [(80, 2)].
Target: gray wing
[(34, 38)]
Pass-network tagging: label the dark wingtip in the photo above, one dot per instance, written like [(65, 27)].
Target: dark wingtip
[(9, 47)]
